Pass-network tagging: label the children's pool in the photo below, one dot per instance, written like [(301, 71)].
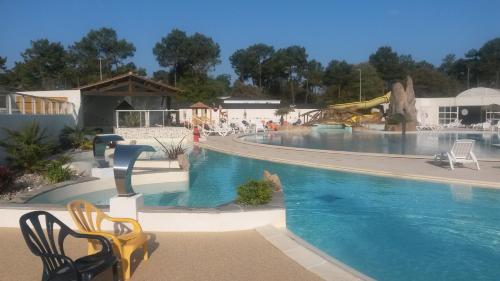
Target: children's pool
[(387, 228)]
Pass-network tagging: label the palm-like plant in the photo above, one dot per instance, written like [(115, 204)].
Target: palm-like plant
[(282, 112), (133, 119), (27, 148), (174, 150), (74, 137)]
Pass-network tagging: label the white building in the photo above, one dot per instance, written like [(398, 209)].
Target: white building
[(472, 106), (252, 110)]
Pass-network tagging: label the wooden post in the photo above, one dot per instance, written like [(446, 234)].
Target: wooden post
[(9, 104), (33, 105), (23, 105)]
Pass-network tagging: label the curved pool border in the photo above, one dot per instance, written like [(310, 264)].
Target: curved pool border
[(268, 220), (239, 138), (376, 172), (211, 219), (230, 217)]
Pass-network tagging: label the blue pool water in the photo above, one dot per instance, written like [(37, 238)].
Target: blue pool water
[(387, 228), (421, 143)]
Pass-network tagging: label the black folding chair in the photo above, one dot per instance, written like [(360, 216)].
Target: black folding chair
[(48, 245)]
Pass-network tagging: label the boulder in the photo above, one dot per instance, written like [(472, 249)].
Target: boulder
[(274, 179), (402, 104)]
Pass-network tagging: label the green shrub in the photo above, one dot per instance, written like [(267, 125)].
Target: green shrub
[(26, 148), (75, 137), (86, 145), (6, 180), (56, 172), (255, 193), (132, 119)]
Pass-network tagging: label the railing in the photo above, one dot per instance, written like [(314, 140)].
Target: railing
[(146, 118), (16, 103)]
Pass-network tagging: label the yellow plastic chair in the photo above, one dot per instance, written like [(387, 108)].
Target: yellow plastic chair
[(124, 244)]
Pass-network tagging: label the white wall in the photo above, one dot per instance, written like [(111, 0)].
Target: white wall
[(73, 96), (428, 109), (53, 124), (174, 220), (252, 115), (430, 106)]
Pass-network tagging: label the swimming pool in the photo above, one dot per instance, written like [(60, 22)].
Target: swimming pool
[(387, 228), (421, 143)]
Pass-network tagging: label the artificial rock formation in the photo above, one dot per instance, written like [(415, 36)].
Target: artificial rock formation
[(274, 180), (402, 104)]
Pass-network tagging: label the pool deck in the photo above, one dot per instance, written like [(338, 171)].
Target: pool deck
[(419, 168), (240, 255)]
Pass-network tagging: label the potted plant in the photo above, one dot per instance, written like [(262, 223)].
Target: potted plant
[(173, 152)]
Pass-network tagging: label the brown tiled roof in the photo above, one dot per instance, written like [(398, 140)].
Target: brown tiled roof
[(199, 105), (128, 76)]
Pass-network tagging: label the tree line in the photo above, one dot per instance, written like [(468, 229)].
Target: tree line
[(289, 74), (262, 70)]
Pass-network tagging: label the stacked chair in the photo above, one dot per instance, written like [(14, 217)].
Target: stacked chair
[(105, 249), (49, 246)]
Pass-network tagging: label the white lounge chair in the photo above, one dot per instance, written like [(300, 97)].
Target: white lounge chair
[(428, 127), (259, 127), (244, 127), (483, 126), (208, 129), (461, 152), (457, 123)]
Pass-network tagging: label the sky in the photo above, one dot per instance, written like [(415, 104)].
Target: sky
[(345, 30)]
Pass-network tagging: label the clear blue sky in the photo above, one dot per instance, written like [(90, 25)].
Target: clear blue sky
[(349, 30)]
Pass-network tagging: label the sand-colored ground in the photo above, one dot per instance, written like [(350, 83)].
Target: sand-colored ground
[(241, 255)]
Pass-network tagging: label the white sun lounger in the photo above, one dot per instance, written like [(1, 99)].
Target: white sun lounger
[(457, 123), (483, 126), (461, 152), (220, 130)]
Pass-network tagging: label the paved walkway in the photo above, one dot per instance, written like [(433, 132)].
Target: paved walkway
[(241, 255), (413, 168)]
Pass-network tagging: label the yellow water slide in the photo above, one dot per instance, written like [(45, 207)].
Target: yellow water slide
[(363, 104)]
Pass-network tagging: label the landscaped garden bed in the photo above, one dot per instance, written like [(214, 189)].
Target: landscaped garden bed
[(34, 160)]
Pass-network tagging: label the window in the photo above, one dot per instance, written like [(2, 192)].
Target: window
[(3, 103), (447, 114), (493, 116)]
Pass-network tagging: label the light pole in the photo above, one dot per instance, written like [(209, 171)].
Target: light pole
[(100, 67), (468, 77), (360, 84)]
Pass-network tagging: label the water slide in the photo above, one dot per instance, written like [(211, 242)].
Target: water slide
[(346, 113), (362, 104)]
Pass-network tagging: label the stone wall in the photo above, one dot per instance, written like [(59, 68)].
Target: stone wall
[(153, 132)]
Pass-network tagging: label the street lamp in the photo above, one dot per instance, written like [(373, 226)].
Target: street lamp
[(468, 77), (100, 67), (360, 84)]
